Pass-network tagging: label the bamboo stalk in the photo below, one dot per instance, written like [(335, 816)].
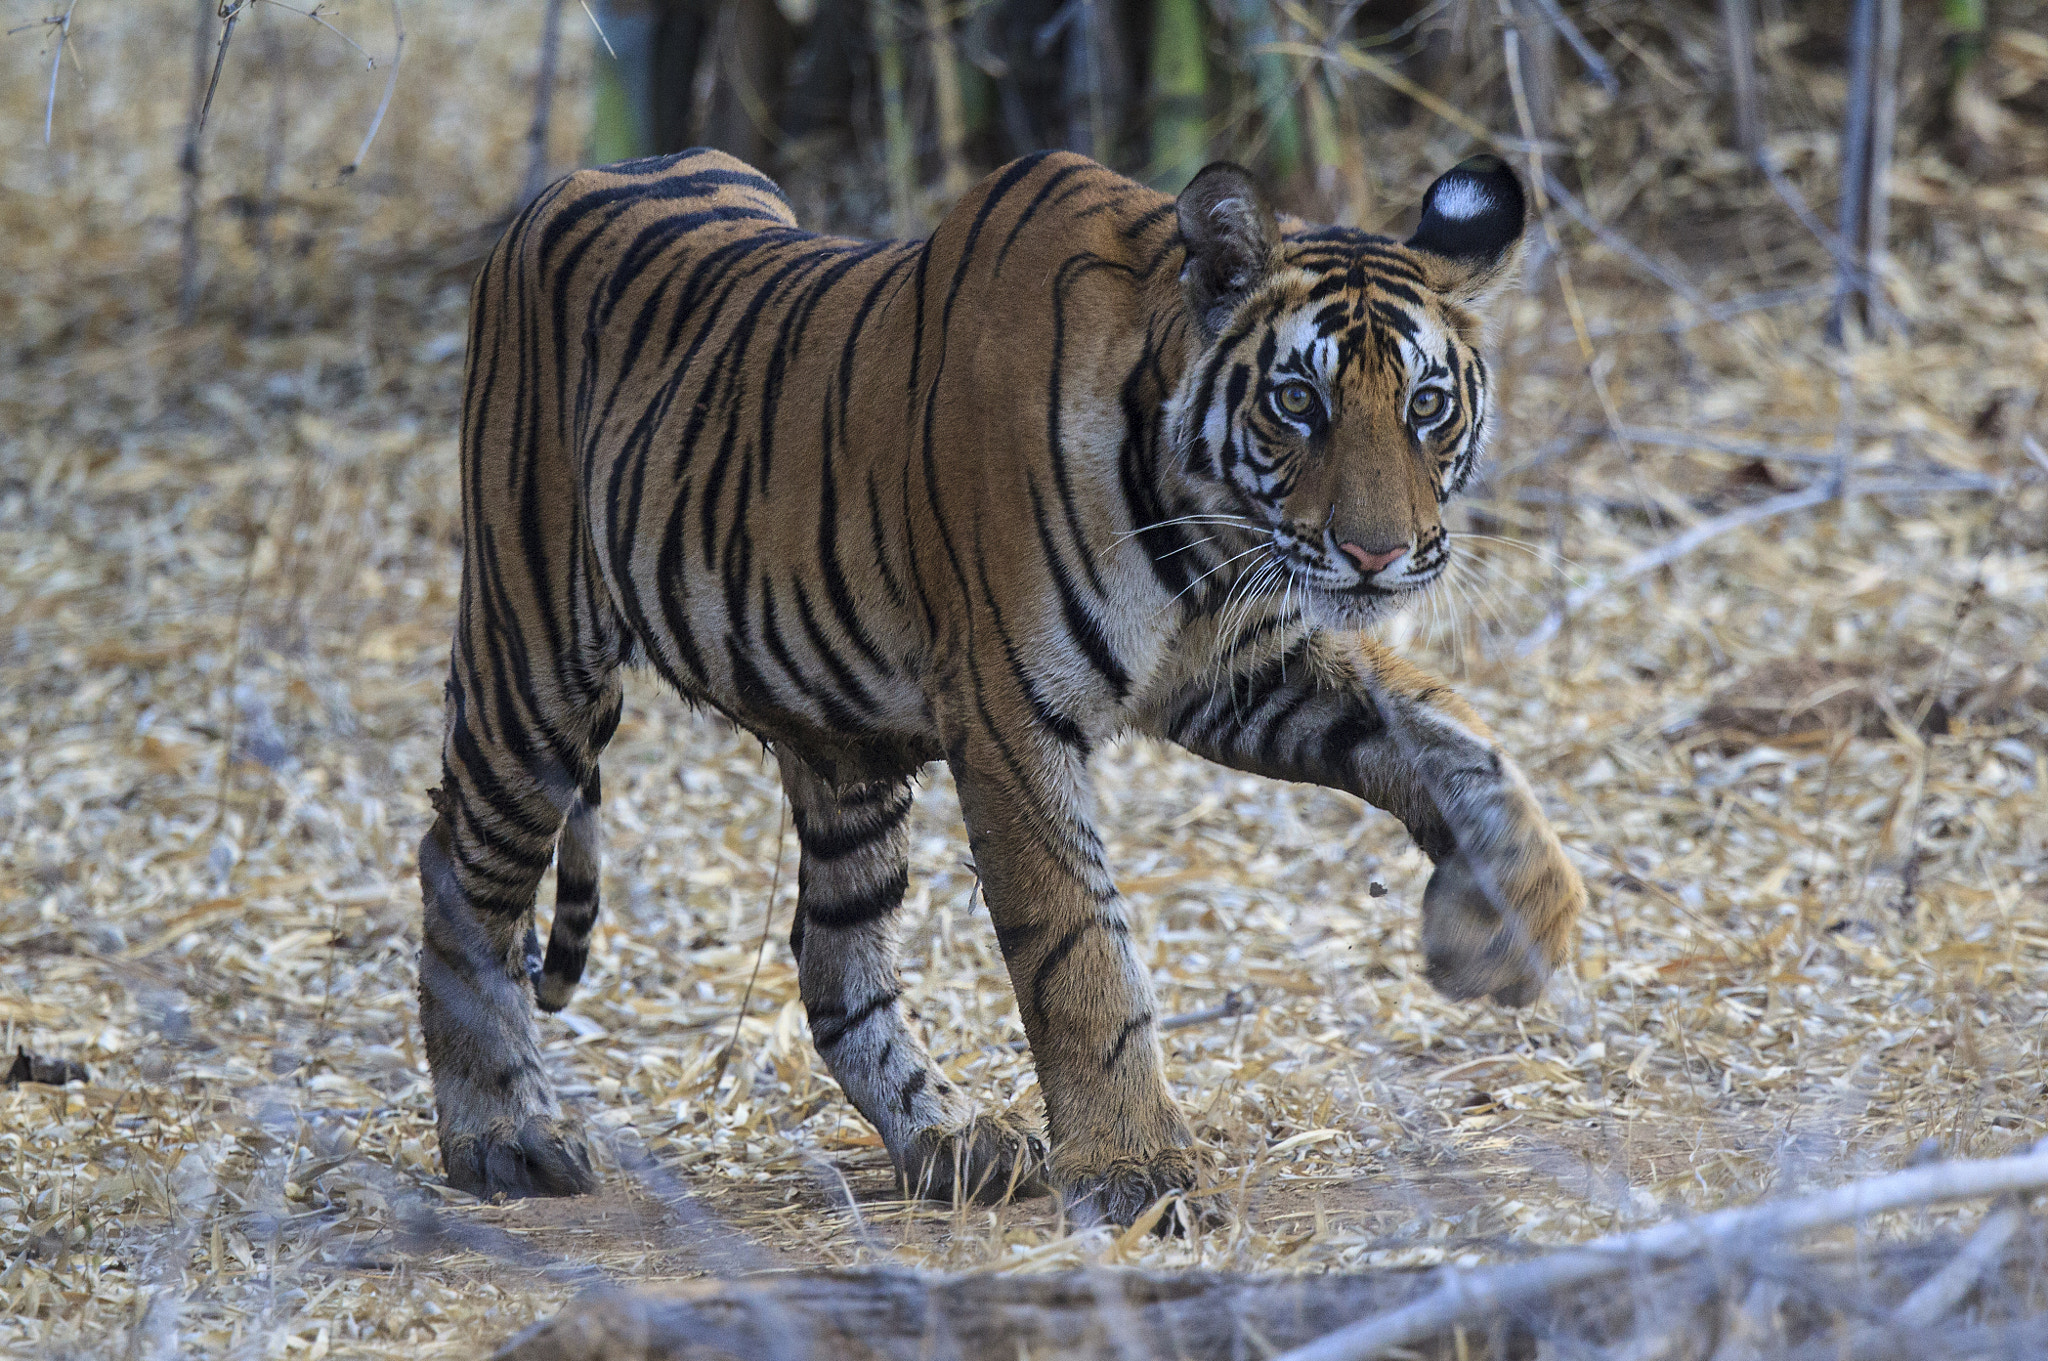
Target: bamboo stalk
[(895, 124), (1180, 86), (1274, 84), (945, 63)]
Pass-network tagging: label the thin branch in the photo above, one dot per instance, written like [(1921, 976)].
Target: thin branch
[(1838, 250), (2035, 451), (1596, 65), (1717, 313), (230, 14), (592, 16), (1466, 1296), (1234, 1004), (314, 14), (1680, 545), (62, 23), (1945, 1289), (760, 951), (1622, 246), (1690, 439), (390, 86)]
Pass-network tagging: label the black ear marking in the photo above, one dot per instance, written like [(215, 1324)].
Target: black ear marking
[(1231, 237), (1473, 213)]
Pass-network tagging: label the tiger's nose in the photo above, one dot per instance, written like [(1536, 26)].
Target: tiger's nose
[(1371, 562)]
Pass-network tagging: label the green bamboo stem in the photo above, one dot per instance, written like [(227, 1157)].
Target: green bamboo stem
[(1180, 88)]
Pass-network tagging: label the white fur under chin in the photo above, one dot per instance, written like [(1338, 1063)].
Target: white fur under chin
[(1461, 200)]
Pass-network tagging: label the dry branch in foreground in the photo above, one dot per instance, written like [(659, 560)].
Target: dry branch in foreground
[(1729, 1283)]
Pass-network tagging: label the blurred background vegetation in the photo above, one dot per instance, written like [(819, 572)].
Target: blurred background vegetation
[(1311, 92)]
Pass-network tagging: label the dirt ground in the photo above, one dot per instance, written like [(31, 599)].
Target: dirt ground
[(1804, 768)]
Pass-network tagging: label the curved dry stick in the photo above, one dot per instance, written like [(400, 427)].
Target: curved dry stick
[(1466, 1296), (390, 86), (1678, 546)]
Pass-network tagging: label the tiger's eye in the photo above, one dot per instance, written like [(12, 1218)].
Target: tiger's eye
[(1297, 399), (1427, 404)]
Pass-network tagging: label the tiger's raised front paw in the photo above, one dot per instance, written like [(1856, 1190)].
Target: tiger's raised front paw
[(1477, 935), (541, 1157), (1127, 1187), (986, 1161)]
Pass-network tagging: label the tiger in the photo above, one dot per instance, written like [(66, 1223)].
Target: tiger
[(1087, 461)]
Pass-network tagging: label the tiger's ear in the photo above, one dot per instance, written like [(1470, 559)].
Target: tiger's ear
[(1472, 225), (1231, 237)]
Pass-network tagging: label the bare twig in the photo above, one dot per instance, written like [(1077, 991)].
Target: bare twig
[(591, 14), (1688, 439), (1467, 1296), (317, 17), (1664, 274), (1945, 1289), (1596, 65), (1234, 1004), (62, 23), (1760, 301), (2035, 451), (390, 85), (1846, 262), (1680, 545), (230, 14), (760, 951)]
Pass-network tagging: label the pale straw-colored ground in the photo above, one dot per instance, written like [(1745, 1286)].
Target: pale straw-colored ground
[(1820, 922)]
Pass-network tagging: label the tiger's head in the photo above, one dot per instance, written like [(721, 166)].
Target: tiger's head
[(1339, 397)]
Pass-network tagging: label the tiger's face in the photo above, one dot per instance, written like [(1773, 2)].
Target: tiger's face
[(1341, 398)]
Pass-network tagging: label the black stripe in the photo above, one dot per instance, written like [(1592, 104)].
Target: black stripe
[(1123, 1037), (827, 1029), (864, 907)]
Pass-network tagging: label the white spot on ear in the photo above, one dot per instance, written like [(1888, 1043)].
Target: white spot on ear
[(1460, 200)]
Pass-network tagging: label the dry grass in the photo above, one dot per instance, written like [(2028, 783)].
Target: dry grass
[(227, 558)]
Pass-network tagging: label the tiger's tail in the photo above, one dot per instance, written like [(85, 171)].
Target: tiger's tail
[(577, 858)]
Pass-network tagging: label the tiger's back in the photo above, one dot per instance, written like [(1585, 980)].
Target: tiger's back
[(971, 497), (749, 430)]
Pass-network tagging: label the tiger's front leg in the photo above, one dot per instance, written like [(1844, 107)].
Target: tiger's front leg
[(1118, 1140), (850, 882), (1346, 713)]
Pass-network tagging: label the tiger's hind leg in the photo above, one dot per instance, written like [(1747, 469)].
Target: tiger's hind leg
[(520, 760), (850, 881)]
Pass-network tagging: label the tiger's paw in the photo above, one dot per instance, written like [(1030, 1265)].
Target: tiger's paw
[(985, 1161), (1476, 930), (541, 1157), (1124, 1190)]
